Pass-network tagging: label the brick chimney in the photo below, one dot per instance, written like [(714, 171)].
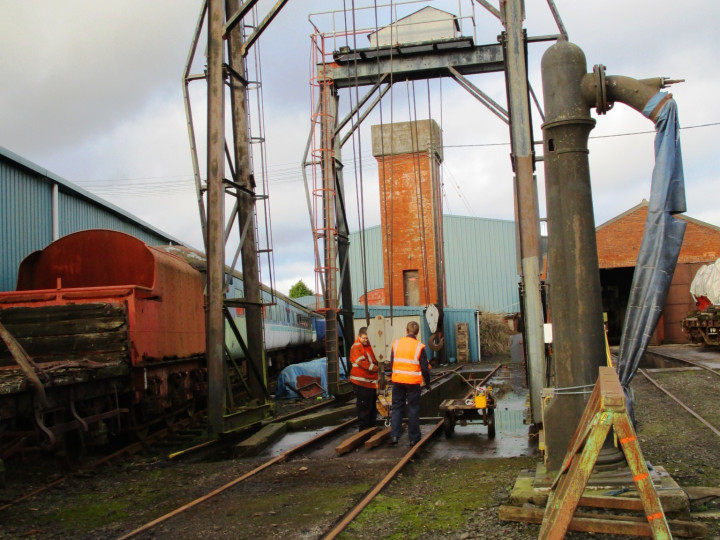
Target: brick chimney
[(409, 156)]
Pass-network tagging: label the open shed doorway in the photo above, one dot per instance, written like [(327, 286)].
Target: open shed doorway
[(616, 283)]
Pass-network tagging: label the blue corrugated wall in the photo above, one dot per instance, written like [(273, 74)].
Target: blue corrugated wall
[(26, 214)]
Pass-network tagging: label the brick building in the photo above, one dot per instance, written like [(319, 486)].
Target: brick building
[(618, 242), (409, 156)]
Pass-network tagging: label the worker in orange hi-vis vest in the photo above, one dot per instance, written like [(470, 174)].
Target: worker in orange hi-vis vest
[(364, 376), (409, 366)]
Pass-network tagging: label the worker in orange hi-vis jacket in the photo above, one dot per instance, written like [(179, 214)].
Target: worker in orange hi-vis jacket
[(409, 367), (364, 376)]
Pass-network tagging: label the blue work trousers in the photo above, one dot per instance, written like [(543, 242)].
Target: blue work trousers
[(402, 394)]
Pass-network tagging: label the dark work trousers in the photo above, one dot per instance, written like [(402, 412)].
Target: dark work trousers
[(402, 393), (366, 410)]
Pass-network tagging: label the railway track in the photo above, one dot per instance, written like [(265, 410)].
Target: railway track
[(675, 398), (128, 450), (680, 402), (348, 517)]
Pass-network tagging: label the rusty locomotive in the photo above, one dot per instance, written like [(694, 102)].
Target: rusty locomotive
[(105, 335)]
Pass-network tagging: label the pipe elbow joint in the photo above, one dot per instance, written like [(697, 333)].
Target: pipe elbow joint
[(601, 91)]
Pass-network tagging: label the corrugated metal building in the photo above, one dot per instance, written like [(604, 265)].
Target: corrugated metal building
[(37, 207), (480, 264)]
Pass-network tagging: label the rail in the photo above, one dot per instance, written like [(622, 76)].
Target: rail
[(282, 457)]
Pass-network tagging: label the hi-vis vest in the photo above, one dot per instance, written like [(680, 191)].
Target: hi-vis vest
[(364, 371), (406, 361)]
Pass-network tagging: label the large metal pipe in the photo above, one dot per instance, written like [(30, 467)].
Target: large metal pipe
[(575, 297)]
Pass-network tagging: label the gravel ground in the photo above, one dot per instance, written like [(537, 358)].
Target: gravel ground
[(457, 497)]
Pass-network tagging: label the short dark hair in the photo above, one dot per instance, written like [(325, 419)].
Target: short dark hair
[(362, 331), (413, 328)]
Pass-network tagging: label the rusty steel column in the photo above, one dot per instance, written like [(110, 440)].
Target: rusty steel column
[(215, 241), (575, 299), (246, 212), (527, 214), (346, 313), (328, 113)]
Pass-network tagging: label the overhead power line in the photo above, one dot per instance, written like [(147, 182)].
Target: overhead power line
[(281, 174)]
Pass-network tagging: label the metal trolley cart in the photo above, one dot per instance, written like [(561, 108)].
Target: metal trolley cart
[(479, 408)]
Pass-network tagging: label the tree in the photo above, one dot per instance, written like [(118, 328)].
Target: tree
[(299, 289)]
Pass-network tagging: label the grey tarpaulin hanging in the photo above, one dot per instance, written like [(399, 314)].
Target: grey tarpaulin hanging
[(661, 240)]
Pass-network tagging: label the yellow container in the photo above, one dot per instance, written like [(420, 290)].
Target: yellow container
[(480, 401)]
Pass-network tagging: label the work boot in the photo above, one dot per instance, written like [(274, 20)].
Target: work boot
[(393, 440)]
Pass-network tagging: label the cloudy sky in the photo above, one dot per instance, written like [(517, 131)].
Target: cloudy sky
[(92, 91)]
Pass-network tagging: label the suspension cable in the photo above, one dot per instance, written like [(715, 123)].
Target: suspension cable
[(419, 205)]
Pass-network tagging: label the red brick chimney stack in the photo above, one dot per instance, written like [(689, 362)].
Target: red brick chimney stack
[(409, 156)]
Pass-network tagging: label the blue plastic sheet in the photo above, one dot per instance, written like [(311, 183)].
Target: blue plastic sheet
[(661, 242), (313, 368)]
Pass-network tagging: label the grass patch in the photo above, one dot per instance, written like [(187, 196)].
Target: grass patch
[(437, 499)]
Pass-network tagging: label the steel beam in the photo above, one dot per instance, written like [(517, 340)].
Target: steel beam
[(246, 213), (527, 217), (215, 226), (368, 68)]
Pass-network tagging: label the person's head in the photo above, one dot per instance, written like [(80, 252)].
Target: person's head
[(412, 328), (363, 336)]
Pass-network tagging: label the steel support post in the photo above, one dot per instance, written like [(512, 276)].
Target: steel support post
[(328, 114), (215, 241), (526, 199), (575, 300), (346, 299), (246, 211)]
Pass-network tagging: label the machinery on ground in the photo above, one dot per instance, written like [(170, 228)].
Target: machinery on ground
[(702, 325)]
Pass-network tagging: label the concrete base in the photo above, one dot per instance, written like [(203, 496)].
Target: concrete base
[(533, 487)]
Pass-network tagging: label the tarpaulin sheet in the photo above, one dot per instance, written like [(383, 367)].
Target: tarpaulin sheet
[(707, 283), (661, 241), (313, 368)]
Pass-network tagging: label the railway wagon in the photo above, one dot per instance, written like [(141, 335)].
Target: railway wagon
[(287, 325), (105, 335)]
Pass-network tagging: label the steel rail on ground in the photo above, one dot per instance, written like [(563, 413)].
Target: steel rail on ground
[(697, 364), (355, 511), (679, 402), (269, 463)]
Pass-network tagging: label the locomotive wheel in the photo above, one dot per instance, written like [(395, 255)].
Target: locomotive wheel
[(448, 425), (491, 423)]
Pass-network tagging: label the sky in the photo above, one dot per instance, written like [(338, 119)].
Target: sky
[(92, 91)]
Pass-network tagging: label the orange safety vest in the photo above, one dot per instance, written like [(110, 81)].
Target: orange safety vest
[(406, 361), (364, 371)]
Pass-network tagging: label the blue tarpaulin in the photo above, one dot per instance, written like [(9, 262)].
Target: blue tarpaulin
[(661, 240), (313, 368)]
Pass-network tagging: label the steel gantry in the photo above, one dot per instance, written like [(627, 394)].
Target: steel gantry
[(379, 67), (228, 24)]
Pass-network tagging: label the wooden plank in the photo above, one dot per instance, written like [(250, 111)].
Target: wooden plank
[(605, 523), (351, 443), (379, 438), (695, 492), (35, 314), (59, 345), (66, 327)]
